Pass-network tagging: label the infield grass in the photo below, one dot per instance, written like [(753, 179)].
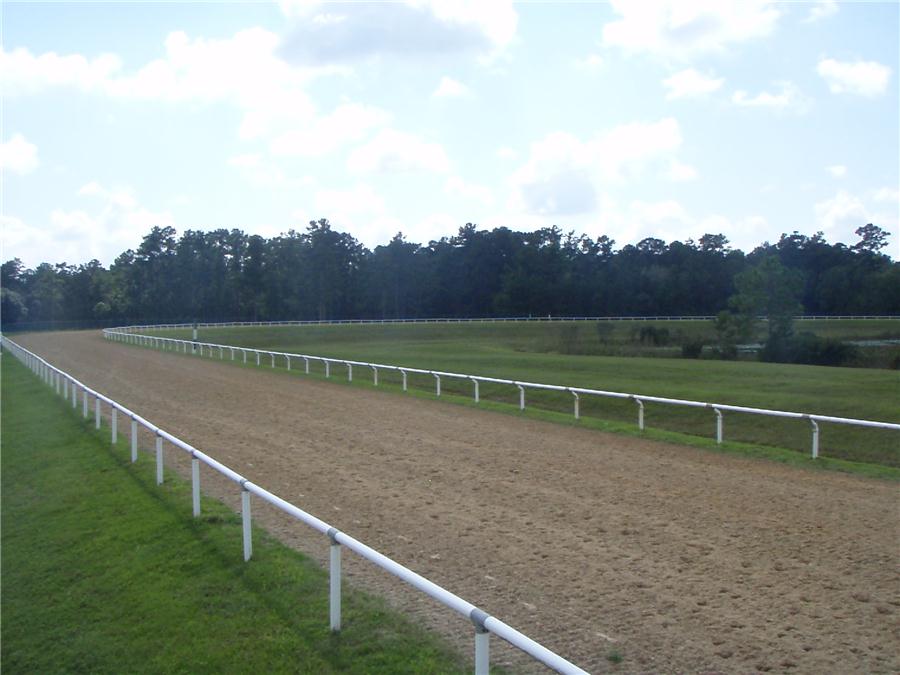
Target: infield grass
[(105, 572), (524, 351)]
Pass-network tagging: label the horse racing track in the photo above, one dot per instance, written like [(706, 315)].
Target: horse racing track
[(618, 553)]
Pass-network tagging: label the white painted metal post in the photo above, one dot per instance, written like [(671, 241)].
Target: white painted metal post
[(718, 426), (306, 365), (273, 358), (245, 520), (334, 583), (257, 359), (640, 413), (195, 485), (58, 383), (349, 372), (74, 396), (159, 460), (477, 393), (482, 651), (65, 390), (232, 353), (245, 355), (133, 440), (97, 412), (327, 369), (403, 373), (84, 403), (114, 424), (521, 397), (577, 405), (437, 386), (288, 359), (221, 353), (375, 375), (815, 439)]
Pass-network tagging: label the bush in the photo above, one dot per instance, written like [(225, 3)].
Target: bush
[(809, 349), (692, 349)]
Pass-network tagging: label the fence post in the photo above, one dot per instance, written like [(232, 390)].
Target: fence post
[(257, 359), (97, 412), (640, 413), (403, 373), (133, 440), (221, 353), (288, 359), (195, 484), (477, 394), (327, 368), (84, 402), (349, 372), (482, 642), (375, 375), (577, 405), (232, 353), (74, 395), (65, 388), (245, 355), (815, 439), (334, 581), (521, 397), (718, 426), (273, 358), (306, 365), (437, 386), (245, 521), (159, 459), (114, 423)]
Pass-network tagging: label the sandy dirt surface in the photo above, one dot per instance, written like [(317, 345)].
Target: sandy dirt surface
[(676, 559)]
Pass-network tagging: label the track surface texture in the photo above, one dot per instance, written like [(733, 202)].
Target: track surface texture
[(599, 546)]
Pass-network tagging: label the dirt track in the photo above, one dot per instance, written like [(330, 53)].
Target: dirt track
[(679, 560)]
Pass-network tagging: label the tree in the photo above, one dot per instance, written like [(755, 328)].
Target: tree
[(871, 238)]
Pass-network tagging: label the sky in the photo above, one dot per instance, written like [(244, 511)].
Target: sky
[(629, 119)]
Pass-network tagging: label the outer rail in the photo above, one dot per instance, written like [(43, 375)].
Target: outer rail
[(127, 335), (484, 623)]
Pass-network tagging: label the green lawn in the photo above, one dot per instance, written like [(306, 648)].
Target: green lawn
[(523, 351), (105, 572)]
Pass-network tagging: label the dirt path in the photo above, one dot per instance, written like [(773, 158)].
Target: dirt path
[(679, 560)]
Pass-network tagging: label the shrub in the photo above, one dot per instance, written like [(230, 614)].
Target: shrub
[(691, 349)]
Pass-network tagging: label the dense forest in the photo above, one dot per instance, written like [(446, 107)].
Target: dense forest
[(322, 273)]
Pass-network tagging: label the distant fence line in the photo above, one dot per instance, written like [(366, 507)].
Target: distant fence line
[(484, 624), (127, 335)]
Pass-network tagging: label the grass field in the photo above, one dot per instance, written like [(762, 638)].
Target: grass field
[(522, 351), (103, 571)]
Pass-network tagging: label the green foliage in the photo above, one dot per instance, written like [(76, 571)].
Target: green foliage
[(103, 571)]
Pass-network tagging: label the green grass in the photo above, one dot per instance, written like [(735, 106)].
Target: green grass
[(105, 572), (520, 351)]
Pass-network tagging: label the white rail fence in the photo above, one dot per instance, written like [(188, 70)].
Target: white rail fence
[(507, 319), (127, 335), (484, 624)]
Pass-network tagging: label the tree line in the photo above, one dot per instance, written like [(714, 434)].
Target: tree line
[(322, 273)]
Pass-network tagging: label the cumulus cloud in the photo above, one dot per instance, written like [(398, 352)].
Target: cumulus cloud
[(864, 78), (689, 83), (590, 62), (114, 222), (393, 151), (563, 172), (837, 170), (450, 88), (341, 33), (348, 123), (457, 187), (788, 97), (682, 29), (18, 155), (840, 215), (821, 10)]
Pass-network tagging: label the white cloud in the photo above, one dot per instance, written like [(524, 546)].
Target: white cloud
[(359, 210), (336, 33), (787, 98), (349, 122), (450, 88), (507, 153), (690, 83), (562, 174), (18, 155), (865, 78), (393, 151), (79, 235), (680, 173), (887, 194), (681, 29), (590, 62), (837, 170), (457, 187), (839, 216), (821, 10)]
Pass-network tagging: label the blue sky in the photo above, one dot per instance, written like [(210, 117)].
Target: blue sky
[(630, 119)]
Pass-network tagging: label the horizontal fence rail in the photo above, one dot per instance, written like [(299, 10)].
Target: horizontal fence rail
[(484, 624), (127, 334), (505, 319)]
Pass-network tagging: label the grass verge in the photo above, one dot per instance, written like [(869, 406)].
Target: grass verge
[(103, 571)]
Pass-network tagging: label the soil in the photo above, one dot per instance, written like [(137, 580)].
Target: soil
[(599, 546)]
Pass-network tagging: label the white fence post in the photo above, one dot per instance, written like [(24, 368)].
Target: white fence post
[(74, 395), (257, 359), (306, 365), (403, 373), (477, 393), (221, 353), (718, 426), (815, 439), (133, 440), (327, 368), (273, 358), (159, 459), (349, 372), (84, 402), (245, 521), (334, 582), (482, 642), (375, 375), (577, 406), (288, 359), (114, 424), (97, 412), (521, 397), (195, 485), (640, 413), (437, 386)]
